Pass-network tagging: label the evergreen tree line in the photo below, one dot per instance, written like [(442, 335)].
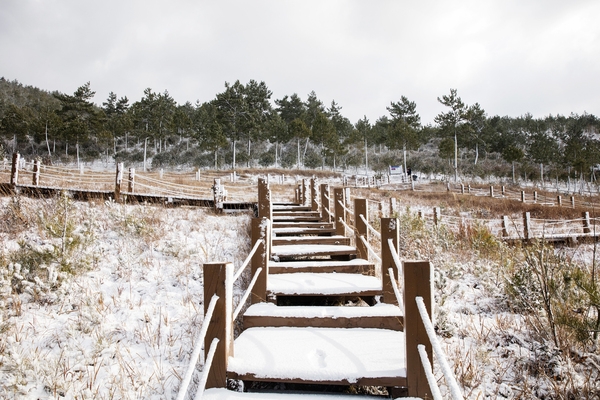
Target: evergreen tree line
[(243, 127)]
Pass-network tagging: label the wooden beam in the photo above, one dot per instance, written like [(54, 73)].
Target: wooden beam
[(360, 208), (218, 279), (261, 229), (389, 230)]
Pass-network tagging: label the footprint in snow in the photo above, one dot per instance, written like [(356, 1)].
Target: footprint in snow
[(317, 358)]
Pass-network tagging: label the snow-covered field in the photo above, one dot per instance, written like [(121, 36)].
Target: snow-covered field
[(118, 302)]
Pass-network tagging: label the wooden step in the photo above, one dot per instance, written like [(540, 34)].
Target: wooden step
[(323, 284), (363, 356), (383, 316), (354, 266), (322, 225), (296, 213), (311, 250), (224, 394), (295, 231), (288, 240), (290, 207), (295, 218)]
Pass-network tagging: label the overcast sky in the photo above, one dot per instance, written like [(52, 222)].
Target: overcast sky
[(511, 56)]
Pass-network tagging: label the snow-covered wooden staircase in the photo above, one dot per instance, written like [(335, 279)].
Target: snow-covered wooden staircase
[(321, 313)]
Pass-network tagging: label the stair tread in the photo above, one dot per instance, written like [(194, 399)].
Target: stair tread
[(320, 354), (289, 250), (310, 283), (270, 309), (224, 394), (319, 263)]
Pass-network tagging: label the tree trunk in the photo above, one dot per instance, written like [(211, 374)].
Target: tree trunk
[(455, 157), (233, 161), (476, 153), (248, 162), (298, 157), (47, 143)]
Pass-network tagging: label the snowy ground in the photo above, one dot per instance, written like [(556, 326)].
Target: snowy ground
[(121, 323)]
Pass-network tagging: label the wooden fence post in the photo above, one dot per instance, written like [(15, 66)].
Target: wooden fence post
[(504, 226), (436, 215), (447, 186), (303, 192), (264, 200), (218, 279), (535, 196), (491, 191), (314, 204), (14, 170), (218, 196), (338, 201), (503, 190), (526, 225), (361, 208), (131, 185), (462, 188), (418, 281), (261, 229), (389, 230), (522, 196), (559, 201), (325, 206), (118, 181), (586, 222), (469, 188), (393, 206), (36, 173), (572, 201)]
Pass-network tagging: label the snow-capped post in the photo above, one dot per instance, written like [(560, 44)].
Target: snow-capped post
[(264, 200), (503, 190), (522, 196), (559, 201), (14, 170), (585, 217), (118, 181), (380, 209), (526, 225), (36, 173), (469, 188), (160, 173), (389, 230), (436, 215), (462, 188), (218, 196), (131, 180), (297, 195), (504, 226), (572, 201), (491, 191), (447, 186), (218, 279), (314, 204), (325, 216), (361, 208), (418, 282), (338, 210), (261, 230), (535, 197), (304, 190), (392, 206)]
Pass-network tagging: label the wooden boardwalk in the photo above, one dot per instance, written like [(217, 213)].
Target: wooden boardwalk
[(322, 314)]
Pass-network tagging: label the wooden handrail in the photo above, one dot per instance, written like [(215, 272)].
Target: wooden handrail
[(247, 260), (246, 294), (373, 230), (206, 370)]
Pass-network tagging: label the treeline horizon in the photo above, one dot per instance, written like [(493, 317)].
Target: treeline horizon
[(244, 127)]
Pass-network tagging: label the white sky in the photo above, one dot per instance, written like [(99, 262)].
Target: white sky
[(511, 56)]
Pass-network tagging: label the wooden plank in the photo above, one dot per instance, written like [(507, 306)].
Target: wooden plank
[(291, 230), (341, 240), (389, 230), (321, 225), (355, 266), (365, 321), (418, 281), (360, 208), (338, 197), (218, 280), (260, 259)]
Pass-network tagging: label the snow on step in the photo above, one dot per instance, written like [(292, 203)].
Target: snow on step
[(288, 250), (307, 283), (356, 265), (327, 355), (224, 394), (378, 310)]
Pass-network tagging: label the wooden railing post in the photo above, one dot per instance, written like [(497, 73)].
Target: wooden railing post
[(522, 196), (572, 201), (338, 201), (325, 216), (393, 206), (389, 230), (314, 204), (360, 208), (491, 191), (118, 181), (264, 200), (261, 229), (526, 225), (535, 196), (131, 184), (36, 173), (303, 192), (14, 170), (218, 279), (418, 281), (462, 188), (503, 190), (559, 201), (218, 196), (586, 222), (504, 226)]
